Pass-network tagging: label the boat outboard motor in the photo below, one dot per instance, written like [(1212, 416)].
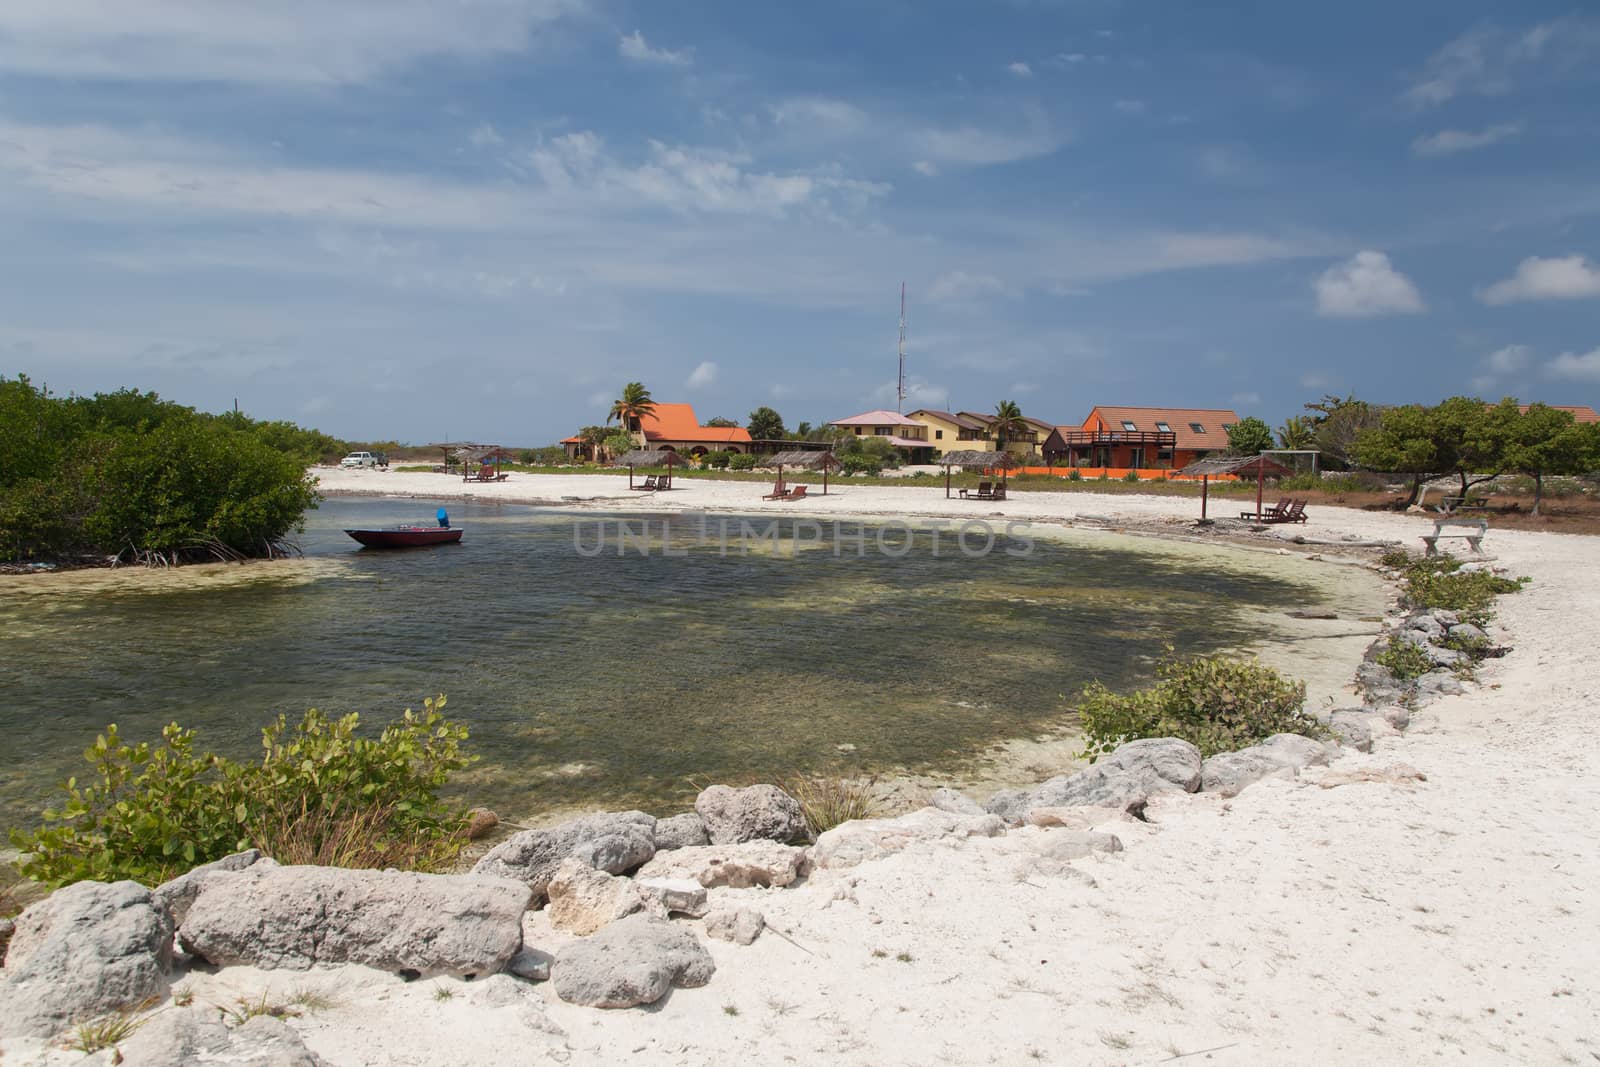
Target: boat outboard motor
[(444, 518)]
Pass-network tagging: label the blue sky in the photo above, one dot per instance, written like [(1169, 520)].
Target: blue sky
[(477, 219)]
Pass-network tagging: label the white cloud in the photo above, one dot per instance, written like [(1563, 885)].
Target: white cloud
[(828, 113), (484, 135), (1561, 278), (284, 42), (1021, 69), (1488, 60), (1448, 142), (1023, 388), (984, 146), (1245, 400), (925, 168), (1316, 381), (1508, 360), (1364, 286), (1569, 365), (702, 376), (636, 48), (958, 286)]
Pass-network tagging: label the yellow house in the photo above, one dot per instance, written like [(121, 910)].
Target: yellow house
[(949, 432), (1025, 445)]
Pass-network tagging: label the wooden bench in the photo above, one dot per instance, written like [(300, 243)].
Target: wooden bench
[(1475, 539)]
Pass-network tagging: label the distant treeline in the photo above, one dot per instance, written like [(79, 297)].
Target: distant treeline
[(131, 476)]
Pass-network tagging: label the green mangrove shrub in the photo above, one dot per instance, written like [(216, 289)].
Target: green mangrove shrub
[(1404, 660), (1439, 582), (1217, 703), (741, 461), (321, 793)]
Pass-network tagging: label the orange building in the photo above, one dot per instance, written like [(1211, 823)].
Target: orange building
[(1140, 438), (674, 428)]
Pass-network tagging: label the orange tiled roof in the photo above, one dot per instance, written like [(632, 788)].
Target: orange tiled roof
[(1180, 419), (677, 422), (1580, 412)]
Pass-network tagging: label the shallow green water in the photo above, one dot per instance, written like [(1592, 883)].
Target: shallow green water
[(610, 680)]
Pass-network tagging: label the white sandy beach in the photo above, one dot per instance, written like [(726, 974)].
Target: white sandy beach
[(1452, 920)]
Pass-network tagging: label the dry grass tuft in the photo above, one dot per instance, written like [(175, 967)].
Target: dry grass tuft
[(827, 802), (102, 1033), (359, 838)]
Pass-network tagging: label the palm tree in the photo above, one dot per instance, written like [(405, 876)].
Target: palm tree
[(594, 437), (1008, 424), (1297, 432), (631, 408)]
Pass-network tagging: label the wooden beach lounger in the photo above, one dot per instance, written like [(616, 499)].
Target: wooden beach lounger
[(649, 483), (1296, 512), (1273, 514), (779, 492), (985, 491), (797, 493)]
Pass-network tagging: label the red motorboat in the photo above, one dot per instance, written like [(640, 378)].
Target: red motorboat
[(407, 536)]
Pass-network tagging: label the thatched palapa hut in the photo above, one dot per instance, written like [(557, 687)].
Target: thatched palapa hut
[(647, 458), (1261, 466), (973, 460), (804, 459)]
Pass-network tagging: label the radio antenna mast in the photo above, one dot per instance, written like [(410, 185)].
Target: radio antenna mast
[(900, 388)]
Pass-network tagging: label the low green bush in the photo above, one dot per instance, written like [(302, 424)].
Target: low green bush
[(741, 461), (1439, 582), (320, 794), (717, 460), (1404, 660), (860, 463), (1217, 703), (1131, 476), (1074, 475)]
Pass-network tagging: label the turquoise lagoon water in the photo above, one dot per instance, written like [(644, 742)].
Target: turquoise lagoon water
[(599, 679)]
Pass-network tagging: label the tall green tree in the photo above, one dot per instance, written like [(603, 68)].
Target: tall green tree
[(1338, 421), (1470, 438), (1544, 441), (1009, 425), (719, 420), (765, 424), (1403, 443), (1249, 437), (632, 407), (802, 431), (593, 437), (1297, 432)]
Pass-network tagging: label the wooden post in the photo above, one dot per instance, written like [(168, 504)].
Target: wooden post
[(947, 481), (1205, 492), (1261, 478)]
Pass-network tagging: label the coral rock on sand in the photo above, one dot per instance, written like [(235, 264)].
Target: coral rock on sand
[(739, 925), (1129, 775), (86, 950), (613, 842), (680, 831), (180, 892), (955, 803), (669, 896), (860, 840), (1353, 727), (295, 917), (179, 1038), (754, 813), (1072, 844), (632, 961), (1280, 755), (753, 863), (582, 899)]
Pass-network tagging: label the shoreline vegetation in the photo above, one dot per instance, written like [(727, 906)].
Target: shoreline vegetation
[(126, 477)]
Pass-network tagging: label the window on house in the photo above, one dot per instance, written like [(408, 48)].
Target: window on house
[(1197, 428), (1127, 424), (938, 435), (1163, 427), (859, 430), (1227, 427)]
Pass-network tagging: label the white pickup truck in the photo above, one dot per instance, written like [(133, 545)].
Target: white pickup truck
[(365, 459)]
